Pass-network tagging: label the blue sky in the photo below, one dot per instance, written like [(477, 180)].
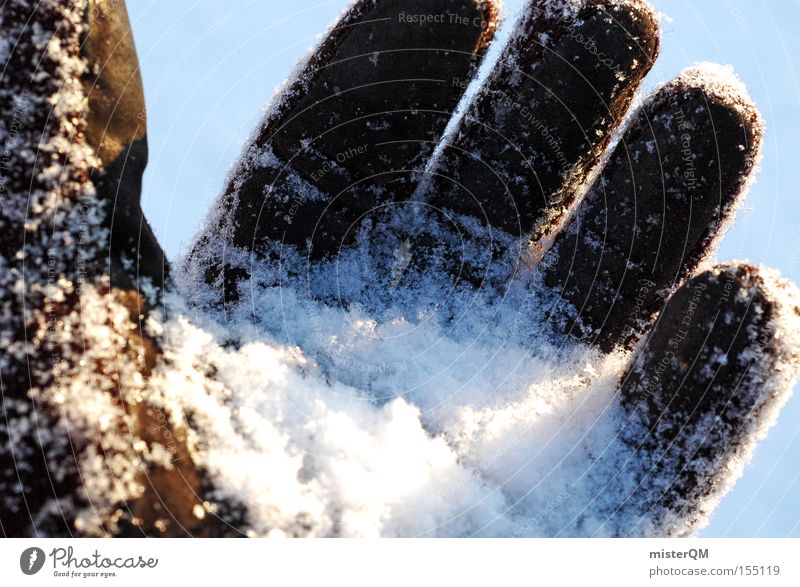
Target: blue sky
[(209, 68)]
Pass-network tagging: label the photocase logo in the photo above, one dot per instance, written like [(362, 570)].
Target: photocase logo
[(31, 560)]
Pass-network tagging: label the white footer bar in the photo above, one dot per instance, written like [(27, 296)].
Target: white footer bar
[(410, 562)]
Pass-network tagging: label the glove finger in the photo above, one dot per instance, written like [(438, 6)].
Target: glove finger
[(545, 115), (658, 208), (703, 389), (349, 133)]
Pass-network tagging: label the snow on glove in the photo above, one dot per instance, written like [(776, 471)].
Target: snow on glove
[(389, 330), (80, 446)]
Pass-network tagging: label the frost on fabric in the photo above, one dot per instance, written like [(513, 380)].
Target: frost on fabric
[(333, 399), (720, 82), (369, 396), (274, 192), (68, 457), (534, 164), (661, 204), (698, 408)]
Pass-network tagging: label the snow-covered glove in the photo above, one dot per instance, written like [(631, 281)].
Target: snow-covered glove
[(510, 326), (82, 451)]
